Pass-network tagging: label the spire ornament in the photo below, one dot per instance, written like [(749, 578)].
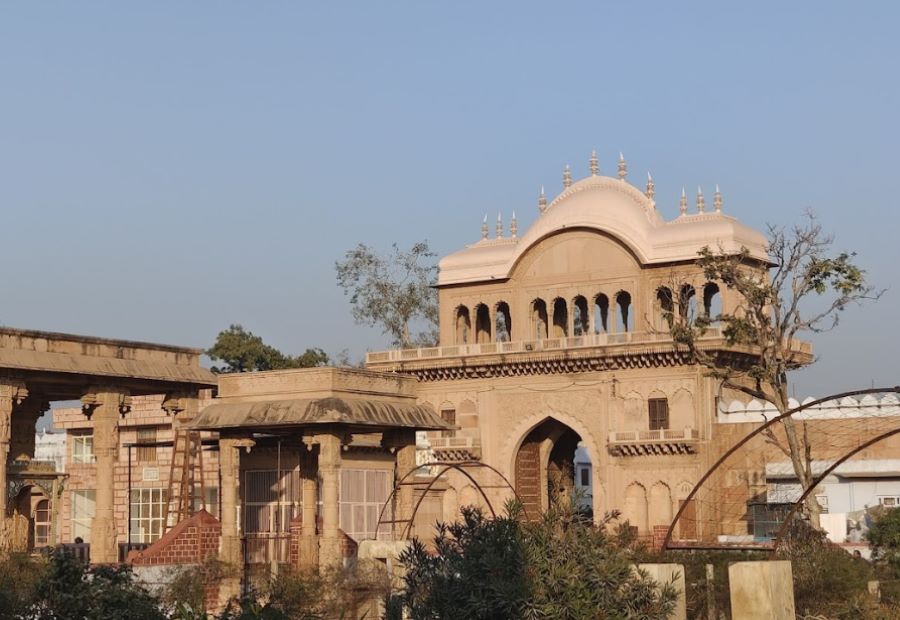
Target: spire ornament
[(499, 229), (514, 226), (542, 201), (651, 187), (682, 204), (701, 202), (623, 167), (567, 176), (594, 163), (717, 199), (484, 228)]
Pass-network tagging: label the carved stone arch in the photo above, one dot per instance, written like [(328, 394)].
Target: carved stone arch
[(683, 489), (467, 406), (450, 504), (634, 509), (681, 409), (468, 496), (660, 505), (633, 409)]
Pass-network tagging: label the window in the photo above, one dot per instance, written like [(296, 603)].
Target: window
[(210, 499), (363, 493), (146, 436), (148, 514), (270, 500), (83, 502), (888, 501), (42, 523), (83, 449), (659, 413), (584, 476), (448, 416)]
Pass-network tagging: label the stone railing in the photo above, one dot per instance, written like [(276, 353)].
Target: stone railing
[(526, 346), (667, 434)]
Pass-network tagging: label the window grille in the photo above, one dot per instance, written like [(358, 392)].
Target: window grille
[(659, 413), (146, 453), (363, 493), (270, 500), (147, 511), (83, 449)]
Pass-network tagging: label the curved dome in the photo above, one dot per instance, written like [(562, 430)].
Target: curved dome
[(613, 207)]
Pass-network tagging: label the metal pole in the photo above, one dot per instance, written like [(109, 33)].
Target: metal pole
[(128, 499)]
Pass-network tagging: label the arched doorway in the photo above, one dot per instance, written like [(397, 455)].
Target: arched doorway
[(545, 465)]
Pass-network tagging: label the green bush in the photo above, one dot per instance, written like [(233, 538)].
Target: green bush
[(19, 579), (561, 566)]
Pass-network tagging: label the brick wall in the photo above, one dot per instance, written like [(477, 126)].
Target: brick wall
[(189, 542)]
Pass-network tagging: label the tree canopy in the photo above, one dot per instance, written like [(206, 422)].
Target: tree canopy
[(804, 288), (393, 291), (242, 351)]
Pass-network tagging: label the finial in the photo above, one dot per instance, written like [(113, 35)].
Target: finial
[(623, 169), (717, 199), (701, 203), (514, 226), (682, 205), (595, 165), (651, 187), (542, 201), (567, 176), (499, 228), (484, 228)]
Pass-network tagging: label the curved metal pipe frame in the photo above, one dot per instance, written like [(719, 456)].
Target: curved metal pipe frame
[(458, 466), (799, 503), (668, 539)]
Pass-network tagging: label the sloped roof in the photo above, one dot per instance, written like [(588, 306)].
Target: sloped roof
[(298, 412)]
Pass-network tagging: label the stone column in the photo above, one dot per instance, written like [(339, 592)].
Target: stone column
[(104, 405), (309, 545), (21, 444), (402, 443), (230, 466), (12, 393), (330, 471)]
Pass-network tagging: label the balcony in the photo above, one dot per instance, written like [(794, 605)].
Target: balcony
[(525, 346), (459, 448), (656, 442)]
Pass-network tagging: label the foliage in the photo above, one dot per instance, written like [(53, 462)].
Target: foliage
[(186, 590), (392, 291), (827, 579), (884, 539), (804, 288), (69, 589), (242, 351), (561, 566), (19, 578)]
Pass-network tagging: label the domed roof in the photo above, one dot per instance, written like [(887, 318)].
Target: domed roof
[(613, 207)]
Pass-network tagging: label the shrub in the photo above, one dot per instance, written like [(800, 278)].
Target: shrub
[(19, 578)]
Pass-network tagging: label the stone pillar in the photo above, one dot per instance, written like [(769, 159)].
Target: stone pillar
[(230, 466), (330, 471), (21, 444), (12, 393), (104, 405), (403, 444), (309, 544)]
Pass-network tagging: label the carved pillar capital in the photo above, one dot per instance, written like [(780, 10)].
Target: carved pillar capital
[(181, 405), (98, 396)]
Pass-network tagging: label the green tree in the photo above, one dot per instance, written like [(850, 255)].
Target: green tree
[(884, 538), (393, 291), (804, 288), (561, 566), (242, 351)]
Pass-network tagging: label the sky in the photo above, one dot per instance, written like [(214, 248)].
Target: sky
[(167, 169)]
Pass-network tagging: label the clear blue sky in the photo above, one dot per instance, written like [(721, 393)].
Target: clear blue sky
[(169, 168)]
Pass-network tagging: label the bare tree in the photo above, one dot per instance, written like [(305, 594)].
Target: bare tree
[(394, 291), (804, 288)]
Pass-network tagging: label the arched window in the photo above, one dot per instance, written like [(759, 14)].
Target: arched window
[(712, 302), (503, 323), (601, 314), (580, 318), (687, 302), (666, 307), (482, 324), (623, 316), (463, 325), (560, 318), (539, 319), (42, 523)]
